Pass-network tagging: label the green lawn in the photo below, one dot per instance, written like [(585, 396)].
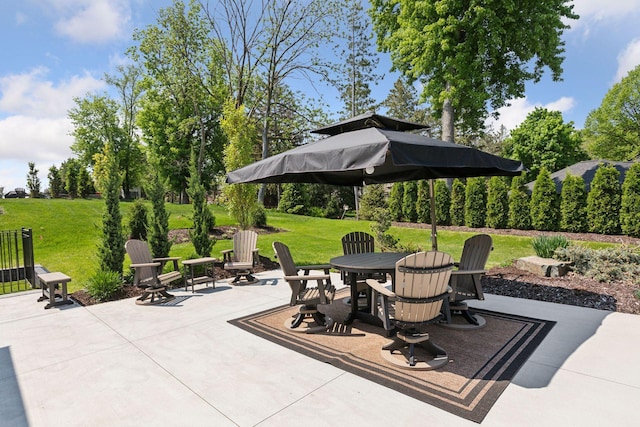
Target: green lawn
[(67, 233)]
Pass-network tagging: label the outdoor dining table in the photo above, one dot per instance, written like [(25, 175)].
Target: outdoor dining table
[(365, 264)]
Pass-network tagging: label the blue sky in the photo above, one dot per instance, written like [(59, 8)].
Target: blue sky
[(55, 50)]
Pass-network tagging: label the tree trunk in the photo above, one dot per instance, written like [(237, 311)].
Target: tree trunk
[(448, 127)]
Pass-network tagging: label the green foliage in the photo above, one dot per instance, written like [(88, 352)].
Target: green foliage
[(241, 132), (458, 191), (573, 205), (603, 201), (333, 208), (111, 250), (379, 227), (72, 173), (608, 265), (373, 197), (545, 203), (423, 204), (104, 285), (55, 182), (259, 216), (476, 55), (443, 203), (544, 140), (294, 199), (545, 246), (203, 220), (475, 202), (630, 204), (519, 201), (33, 182), (138, 221), (395, 201), (159, 229), (497, 203), (85, 185), (612, 131), (409, 201)]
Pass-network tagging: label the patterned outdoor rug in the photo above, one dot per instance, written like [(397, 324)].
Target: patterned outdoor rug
[(482, 362)]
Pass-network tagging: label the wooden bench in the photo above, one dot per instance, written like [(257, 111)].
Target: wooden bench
[(49, 282)]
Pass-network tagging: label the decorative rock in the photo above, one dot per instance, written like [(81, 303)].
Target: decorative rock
[(546, 267)]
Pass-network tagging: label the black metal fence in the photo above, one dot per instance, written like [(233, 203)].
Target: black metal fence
[(17, 267)]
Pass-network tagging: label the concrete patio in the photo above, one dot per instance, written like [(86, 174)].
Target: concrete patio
[(120, 364)]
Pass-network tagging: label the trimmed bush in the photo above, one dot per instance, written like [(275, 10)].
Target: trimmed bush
[(519, 201), (545, 203), (603, 201), (395, 201), (497, 203), (423, 208), (630, 204), (545, 246), (409, 201), (104, 285), (259, 216), (373, 197), (443, 203), (159, 242), (457, 202), (294, 199), (573, 205), (138, 221), (475, 202)]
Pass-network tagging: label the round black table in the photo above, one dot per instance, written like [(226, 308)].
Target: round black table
[(366, 263)]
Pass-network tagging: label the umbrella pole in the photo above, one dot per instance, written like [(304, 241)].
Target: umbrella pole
[(432, 202)]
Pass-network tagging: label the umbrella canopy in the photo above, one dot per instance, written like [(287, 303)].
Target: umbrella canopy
[(374, 156), (373, 149)]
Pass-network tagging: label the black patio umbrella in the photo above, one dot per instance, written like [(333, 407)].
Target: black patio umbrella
[(365, 150)]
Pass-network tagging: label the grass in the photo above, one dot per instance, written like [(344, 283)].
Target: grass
[(67, 233)]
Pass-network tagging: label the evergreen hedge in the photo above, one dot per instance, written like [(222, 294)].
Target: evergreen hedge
[(573, 205), (443, 203), (409, 201), (395, 201), (497, 203), (519, 201), (630, 204), (545, 203), (603, 201), (423, 208), (475, 203), (373, 197)]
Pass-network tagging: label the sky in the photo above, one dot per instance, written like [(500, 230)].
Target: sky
[(56, 50)]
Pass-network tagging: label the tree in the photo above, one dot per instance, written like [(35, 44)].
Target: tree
[(470, 56), (497, 203), (630, 204), (544, 140), (475, 202), (55, 182), (203, 220), (402, 102), (373, 197), (409, 200), (33, 182), (423, 204), (443, 203), (544, 205), (519, 205), (457, 202), (612, 131), (72, 175), (603, 201), (395, 201), (111, 249), (159, 227), (242, 134), (294, 199), (85, 186), (138, 220), (573, 205)]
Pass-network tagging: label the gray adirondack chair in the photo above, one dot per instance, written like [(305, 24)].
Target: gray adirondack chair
[(148, 273), (243, 258)]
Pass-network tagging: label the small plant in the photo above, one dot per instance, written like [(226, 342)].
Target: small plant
[(545, 246), (259, 216), (379, 227), (104, 285)]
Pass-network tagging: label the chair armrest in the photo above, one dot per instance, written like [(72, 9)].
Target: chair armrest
[(377, 286), (463, 272), (164, 260), (325, 267), (227, 255), (145, 264), (305, 278)]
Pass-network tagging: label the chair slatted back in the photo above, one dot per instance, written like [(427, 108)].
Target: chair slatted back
[(358, 242), (475, 254), (244, 244), (139, 253), (288, 269), (421, 276)]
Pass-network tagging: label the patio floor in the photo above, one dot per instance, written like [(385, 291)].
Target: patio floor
[(119, 364)]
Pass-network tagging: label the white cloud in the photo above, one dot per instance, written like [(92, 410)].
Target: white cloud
[(598, 10), (30, 94), (628, 59), (92, 21), (513, 115)]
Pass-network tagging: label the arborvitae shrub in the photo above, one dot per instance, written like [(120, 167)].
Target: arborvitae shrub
[(423, 208), (603, 201), (111, 249), (373, 197), (395, 201), (294, 199), (630, 205), (457, 202), (203, 220), (475, 202), (573, 205), (409, 201), (138, 221), (333, 208), (497, 203), (545, 203), (519, 201), (159, 228), (443, 203)]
